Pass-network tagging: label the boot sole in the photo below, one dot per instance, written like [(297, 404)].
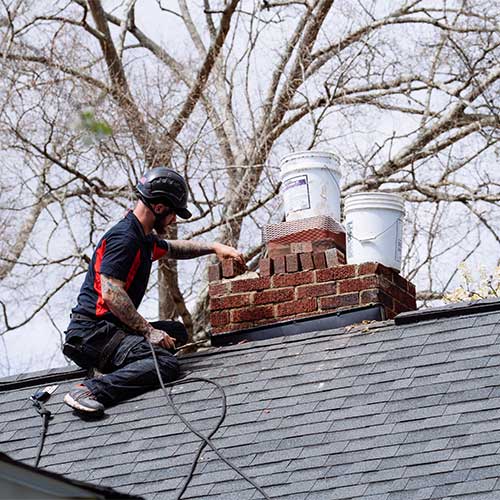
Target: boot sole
[(77, 406)]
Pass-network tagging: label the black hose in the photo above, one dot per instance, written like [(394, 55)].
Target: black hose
[(206, 439), (46, 416)]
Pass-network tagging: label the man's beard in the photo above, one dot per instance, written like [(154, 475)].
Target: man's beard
[(159, 226)]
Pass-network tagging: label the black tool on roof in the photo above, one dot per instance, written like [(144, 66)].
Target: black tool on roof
[(38, 399)]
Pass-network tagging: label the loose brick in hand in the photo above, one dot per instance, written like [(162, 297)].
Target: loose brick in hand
[(232, 268)]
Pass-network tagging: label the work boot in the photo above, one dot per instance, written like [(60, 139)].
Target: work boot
[(81, 399)]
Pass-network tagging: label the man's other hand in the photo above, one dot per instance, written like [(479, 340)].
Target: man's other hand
[(227, 252), (160, 338)]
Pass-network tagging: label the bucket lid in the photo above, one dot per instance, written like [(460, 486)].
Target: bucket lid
[(298, 161), (371, 199)]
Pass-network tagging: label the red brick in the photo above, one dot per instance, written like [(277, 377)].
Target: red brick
[(306, 315), (301, 247), (275, 249), (336, 273), (265, 267), (399, 308), (218, 329), (410, 303), (358, 284), (250, 284), (322, 245), (292, 263), (316, 290), (274, 296), (218, 289), (279, 265), (306, 261), (315, 245), (398, 294), (231, 327), (375, 268), (337, 301), (219, 318), (266, 321), (368, 268), (376, 296), (387, 272), (334, 257), (400, 282), (232, 268), (251, 313), (241, 326), (411, 288), (294, 279), (296, 307), (386, 299), (369, 296), (214, 272), (319, 260), (230, 301)]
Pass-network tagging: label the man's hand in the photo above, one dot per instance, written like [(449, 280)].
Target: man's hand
[(227, 252), (160, 338)]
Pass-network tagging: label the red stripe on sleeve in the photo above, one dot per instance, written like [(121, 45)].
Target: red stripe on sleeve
[(100, 307), (158, 252)]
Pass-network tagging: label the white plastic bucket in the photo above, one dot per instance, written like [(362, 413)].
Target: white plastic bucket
[(374, 227), (310, 185)]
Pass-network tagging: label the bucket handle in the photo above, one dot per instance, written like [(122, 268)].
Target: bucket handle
[(365, 240), (334, 180)]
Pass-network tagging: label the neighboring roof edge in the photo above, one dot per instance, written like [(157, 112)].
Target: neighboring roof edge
[(449, 311), (29, 472)]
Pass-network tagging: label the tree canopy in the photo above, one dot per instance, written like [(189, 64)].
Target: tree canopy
[(404, 93)]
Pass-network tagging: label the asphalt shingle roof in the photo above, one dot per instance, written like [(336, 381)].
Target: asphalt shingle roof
[(373, 412)]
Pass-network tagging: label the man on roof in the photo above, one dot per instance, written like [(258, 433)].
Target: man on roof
[(106, 331)]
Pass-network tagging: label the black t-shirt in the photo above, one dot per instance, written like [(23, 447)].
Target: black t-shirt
[(124, 253)]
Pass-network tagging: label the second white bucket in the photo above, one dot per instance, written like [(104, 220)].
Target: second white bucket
[(374, 227), (310, 185)]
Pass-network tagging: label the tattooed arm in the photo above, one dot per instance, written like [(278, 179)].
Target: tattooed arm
[(184, 249), (119, 303)]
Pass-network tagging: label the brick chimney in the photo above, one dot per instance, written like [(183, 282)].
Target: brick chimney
[(304, 275)]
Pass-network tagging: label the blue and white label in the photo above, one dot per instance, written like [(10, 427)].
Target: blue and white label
[(295, 192)]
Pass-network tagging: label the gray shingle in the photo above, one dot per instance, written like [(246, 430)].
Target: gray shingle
[(282, 490), (423, 494), (404, 412), (469, 486)]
